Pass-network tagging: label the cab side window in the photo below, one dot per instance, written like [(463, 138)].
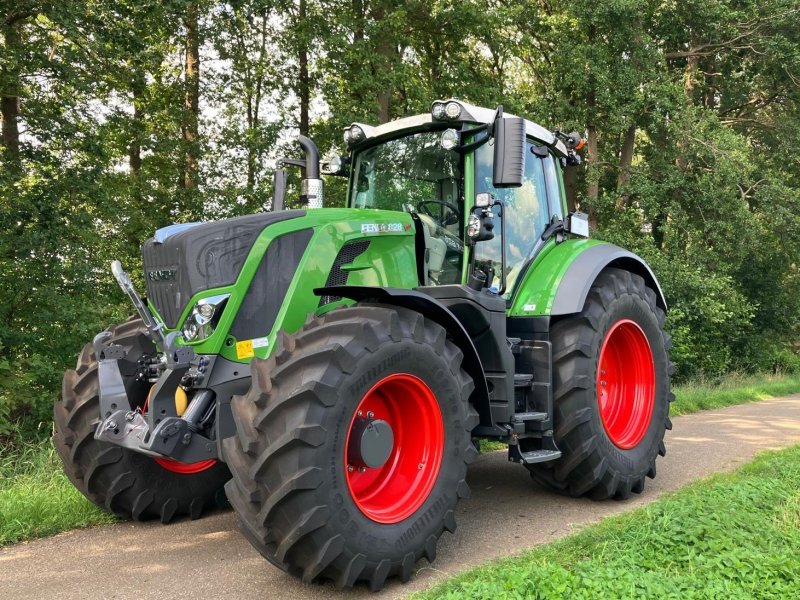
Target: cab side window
[(526, 214)]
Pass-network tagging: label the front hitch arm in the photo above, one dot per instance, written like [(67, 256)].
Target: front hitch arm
[(154, 328)]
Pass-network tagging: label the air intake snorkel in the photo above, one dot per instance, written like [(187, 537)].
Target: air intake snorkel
[(311, 191), (311, 188)]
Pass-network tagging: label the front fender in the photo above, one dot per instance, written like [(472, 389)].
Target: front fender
[(432, 309)]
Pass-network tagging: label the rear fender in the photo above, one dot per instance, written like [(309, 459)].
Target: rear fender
[(582, 272)]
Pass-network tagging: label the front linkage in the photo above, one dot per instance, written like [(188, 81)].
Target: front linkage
[(157, 429)]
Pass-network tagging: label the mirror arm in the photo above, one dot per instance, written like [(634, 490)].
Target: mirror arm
[(502, 206), (473, 145)]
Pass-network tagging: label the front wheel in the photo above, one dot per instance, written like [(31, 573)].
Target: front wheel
[(129, 484), (611, 381), (352, 446)]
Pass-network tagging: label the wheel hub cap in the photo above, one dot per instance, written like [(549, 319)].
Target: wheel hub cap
[(371, 443), (394, 448), (626, 384)]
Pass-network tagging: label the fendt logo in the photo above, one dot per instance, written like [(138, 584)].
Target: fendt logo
[(163, 275)]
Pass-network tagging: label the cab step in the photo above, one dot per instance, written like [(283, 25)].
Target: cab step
[(522, 380), (527, 417), (531, 457)]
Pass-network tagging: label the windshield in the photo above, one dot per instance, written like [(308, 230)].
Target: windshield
[(417, 174), (407, 172)]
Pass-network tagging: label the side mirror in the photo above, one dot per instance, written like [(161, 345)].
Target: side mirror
[(279, 190), (509, 152)]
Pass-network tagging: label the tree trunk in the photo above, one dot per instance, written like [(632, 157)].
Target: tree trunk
[(9, 101), (625, 160), (303, 81), (689, 81), (592, 158), (191, 105), (135, 149)]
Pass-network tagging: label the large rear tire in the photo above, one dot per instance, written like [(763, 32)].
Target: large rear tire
[(611, 382), (127, 483), (308, 499)]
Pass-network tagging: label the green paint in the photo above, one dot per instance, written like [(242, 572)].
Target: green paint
[(390, 261), (535, 295), (469, 202)]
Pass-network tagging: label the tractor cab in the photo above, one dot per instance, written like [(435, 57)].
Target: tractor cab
[(467, 175)]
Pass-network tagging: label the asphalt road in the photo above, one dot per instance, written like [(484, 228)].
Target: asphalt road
[(506, 514)]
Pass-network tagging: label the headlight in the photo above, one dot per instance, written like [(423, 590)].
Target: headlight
[(452, 110), (205, 310), (437, 110), (204, 317), (473, 226), (449, 139), (354, 134), (190, 330)]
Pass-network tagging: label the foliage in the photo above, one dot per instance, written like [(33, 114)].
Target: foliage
[(690, 110), (732, 536), (36, 498)]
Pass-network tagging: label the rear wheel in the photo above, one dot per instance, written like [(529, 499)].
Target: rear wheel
[(352, 446), (127, 483), (611, 382)]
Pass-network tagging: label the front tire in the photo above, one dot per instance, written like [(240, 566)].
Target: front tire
[(129, 484), (310, 504), (611, 381)]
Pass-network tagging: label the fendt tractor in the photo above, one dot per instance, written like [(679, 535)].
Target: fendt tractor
[(330, 372)]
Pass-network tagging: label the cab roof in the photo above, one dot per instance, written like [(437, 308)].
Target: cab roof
[(468, 114)]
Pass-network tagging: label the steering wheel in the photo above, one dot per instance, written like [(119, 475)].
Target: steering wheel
[(451, 219)]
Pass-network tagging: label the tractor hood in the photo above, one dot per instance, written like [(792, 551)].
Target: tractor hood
[(184, 259)]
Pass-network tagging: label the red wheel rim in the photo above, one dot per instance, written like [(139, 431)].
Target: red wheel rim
[(626, 384), (185, 468), (394, 491)]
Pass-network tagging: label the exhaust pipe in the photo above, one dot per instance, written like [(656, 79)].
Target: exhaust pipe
[(311, 188)]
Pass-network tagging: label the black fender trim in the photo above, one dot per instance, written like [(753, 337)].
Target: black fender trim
[(581, 274), (436, 311)]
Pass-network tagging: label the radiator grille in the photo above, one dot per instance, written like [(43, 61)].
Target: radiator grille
[(338, 276)]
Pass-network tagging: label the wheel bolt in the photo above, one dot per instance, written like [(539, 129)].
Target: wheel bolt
[(349, 468), (420, 466), (603, 383), (370, 414), (360, 413), (361, 469)]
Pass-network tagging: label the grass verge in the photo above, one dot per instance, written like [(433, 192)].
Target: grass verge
[(730, 536), (733, 389), (704, 394), (37, 499)]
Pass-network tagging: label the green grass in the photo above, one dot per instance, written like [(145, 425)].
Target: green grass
[(36, 498), (733, 389), (730, 536)]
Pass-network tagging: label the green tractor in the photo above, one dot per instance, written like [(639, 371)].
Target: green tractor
[(331, 370)]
